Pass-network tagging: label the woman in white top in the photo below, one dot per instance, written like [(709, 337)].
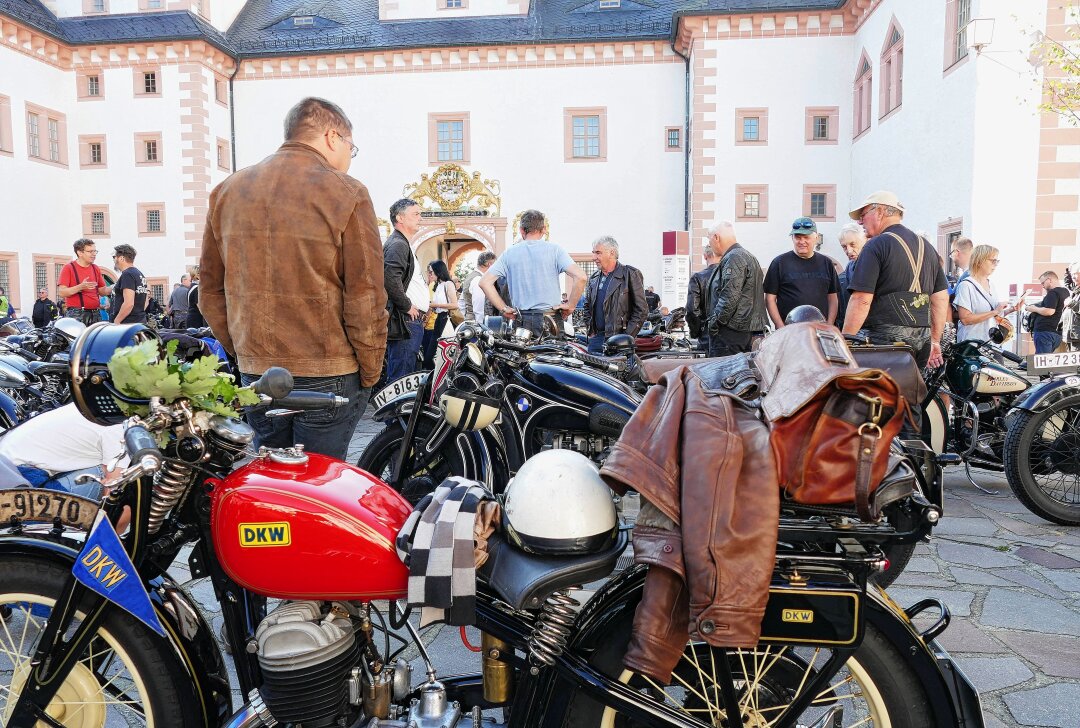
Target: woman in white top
[(443, 300), (976, 300)]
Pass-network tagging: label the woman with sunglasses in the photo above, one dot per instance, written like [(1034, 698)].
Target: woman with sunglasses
[(444, 299), (976, 300)]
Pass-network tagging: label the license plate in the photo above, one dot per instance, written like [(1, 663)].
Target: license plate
[(405, 385), (1062, 361), (39, 504)]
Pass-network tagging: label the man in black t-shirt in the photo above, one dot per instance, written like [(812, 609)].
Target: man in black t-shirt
[(889, 303), (1048, 313), (801, 277), (129, 293)]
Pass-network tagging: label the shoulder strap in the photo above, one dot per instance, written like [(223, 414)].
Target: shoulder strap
[(980, 291), (916, 266)]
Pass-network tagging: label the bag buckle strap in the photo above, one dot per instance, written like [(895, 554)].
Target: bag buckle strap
[(877, 406)]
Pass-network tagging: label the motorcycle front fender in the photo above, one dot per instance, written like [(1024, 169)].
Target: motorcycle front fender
[(1044, 394), (9, 411), (190, 638), (402, 407), (953, 699)]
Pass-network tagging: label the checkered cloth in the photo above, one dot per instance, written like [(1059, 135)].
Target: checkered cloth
[(436, 543)]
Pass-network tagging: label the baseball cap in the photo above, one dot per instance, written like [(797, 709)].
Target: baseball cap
[(803, 226), (882, 197)]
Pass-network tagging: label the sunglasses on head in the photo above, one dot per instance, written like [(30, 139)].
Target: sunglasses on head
[(803, 225)]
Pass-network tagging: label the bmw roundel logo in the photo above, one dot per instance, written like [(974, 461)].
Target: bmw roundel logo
[(523, 404)]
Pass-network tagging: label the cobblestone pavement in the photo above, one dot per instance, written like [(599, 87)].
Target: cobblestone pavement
[(1011, 580)]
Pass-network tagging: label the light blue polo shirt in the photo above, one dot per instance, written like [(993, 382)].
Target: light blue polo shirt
[(531, 269)]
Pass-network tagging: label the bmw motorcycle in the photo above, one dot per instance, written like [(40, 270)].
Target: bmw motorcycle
[(95, 632), (1001, 422)]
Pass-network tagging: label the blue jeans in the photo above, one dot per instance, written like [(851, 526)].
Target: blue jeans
[(325, 431), (65, 481), (401, 355), (596, 344), (1046, 341)]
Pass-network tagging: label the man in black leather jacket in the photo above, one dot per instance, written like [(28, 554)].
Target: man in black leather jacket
[(736, 294), (614, 296), (697, 299), (404, 329)]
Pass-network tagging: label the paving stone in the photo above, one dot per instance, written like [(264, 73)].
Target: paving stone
[(1043, 706), (915, 578), (1053, 654), (960, 507), (966, 526), (958, 602), (1068, 581), (965, 577), (1016, 610), (1023, 528), (992, 721), (1003, 502), (923, 564), (1045, 558), (1032, 582), (963, 636), (994, 673), (955, 553)]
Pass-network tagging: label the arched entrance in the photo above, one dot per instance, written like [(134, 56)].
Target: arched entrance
[(450, 239)]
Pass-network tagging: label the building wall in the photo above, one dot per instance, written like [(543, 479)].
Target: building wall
[(417, 9)]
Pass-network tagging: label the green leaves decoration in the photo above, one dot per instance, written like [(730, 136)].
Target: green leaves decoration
[(140, 371)]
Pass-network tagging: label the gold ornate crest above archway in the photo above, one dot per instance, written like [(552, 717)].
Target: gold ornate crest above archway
[(451, 190)]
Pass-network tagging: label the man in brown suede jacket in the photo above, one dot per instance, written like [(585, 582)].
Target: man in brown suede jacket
[(292, 276)]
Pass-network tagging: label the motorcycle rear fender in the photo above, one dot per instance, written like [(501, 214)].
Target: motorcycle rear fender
[(190, 637), (953, 700), (1044, 394)]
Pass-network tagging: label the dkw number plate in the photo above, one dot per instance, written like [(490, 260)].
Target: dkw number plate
[(407, 384), (1062, 361), (38, 504)]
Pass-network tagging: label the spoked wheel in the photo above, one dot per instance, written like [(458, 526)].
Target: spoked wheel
[(123, 679), (875, 687), (380, 457), (1042, 460)]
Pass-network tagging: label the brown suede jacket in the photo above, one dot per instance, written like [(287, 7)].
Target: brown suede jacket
[(292, 269), (698, 452)]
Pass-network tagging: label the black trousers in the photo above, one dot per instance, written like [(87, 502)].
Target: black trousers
[(725, 342)]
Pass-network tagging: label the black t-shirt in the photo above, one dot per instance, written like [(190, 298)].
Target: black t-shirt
[(799, 281), (883, 268), (1055, 299), (131, 279)]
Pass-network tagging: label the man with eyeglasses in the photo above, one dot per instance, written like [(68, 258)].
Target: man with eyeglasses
[(129, 303), (801, 276), (898, 287), (1047, 313), (291, 275), (81, 284)]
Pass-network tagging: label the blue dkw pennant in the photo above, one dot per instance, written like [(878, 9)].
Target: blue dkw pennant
[(104, 567)]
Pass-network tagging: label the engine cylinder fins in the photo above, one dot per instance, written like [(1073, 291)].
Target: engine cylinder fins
[(315, 696)]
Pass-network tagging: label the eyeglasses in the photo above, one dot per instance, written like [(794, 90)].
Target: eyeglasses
[(995, 261), (353, 147), (803, 225), (867, 210)]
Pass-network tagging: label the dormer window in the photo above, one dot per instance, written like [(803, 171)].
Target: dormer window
[(610, 4), (303, 21)]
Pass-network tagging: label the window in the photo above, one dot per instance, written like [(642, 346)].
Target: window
[(95, 221), (92, 151), (963, 17), (95, 6), (147, 81), (303, 21), (46, 135), (819, 202), (224, 162), (47, 270), (148, 151), (864, 78), (93, 86), (585, 134), (892, 70), (451, 141), (610, 4), (822, 124), (751, 126), (153, 4), (448, 137), (157, 291), (752, 203), (7, 147), (98, 5), (673, 138), (151, 220), (821, 128), (90, 85), (221, 90), (452, 4), (41, 276), (949, 232)]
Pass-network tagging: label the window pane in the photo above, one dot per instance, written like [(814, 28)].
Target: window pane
[(750, 129), (751, 204), (963, 17), (153, 221), (34, 134), (157, 291), (579, 147), (54, 140), (57, 267), (5, 281), (41, 278), (97, 223), (817, 204), (579, 126), (821, 127), (93, 86), (151, 150), (95, 153), (99, 6), (673, 137), (150, 83)]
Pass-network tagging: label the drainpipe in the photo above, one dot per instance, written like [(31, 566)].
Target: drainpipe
[(686, 141), (232, 115)]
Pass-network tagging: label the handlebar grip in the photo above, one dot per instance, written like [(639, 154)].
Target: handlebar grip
[(275, 383), (1015, 359), (599, 361), (140, 443), (304, 400)]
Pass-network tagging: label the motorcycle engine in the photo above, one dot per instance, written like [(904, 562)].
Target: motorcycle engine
[(591, 446), (306, 658)]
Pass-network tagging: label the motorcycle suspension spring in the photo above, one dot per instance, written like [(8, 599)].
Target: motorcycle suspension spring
[(552, 629), (169, 486)]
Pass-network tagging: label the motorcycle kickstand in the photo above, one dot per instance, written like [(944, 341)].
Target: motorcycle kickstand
[(967, 471)]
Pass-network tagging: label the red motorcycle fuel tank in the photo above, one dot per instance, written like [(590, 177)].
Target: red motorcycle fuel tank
[(318, 529)]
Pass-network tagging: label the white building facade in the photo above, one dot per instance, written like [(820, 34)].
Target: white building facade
[(644, 121)]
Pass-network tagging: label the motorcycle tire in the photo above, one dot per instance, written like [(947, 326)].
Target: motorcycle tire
[(129, 675), (875, 687), (1046, 445), (379, 455)]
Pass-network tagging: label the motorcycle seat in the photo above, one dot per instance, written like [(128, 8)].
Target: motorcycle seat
[(898, 361), (525, 580), (653, 369), (44, 367)]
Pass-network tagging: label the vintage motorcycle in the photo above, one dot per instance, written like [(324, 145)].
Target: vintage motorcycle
[(834, 652), (1001, 422)]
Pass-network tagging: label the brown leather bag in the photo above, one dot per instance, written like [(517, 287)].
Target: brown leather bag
[(830, 420)]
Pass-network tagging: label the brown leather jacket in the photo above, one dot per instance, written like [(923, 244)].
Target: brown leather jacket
[(697, 451), (292, 268)]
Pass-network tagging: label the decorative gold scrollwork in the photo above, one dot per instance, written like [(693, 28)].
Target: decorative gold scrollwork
[(385, 225), (451, 189), (515, 228)]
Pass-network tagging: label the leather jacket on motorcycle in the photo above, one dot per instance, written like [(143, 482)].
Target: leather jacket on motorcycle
[(698, 452)]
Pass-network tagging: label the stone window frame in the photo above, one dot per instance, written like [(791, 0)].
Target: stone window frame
[(224, 160), (87, 221), (891, 93), (141, 138), (572, 112), (762, 115), (956, 51), (832, 114), (434, 118), (139, 81), (667, 138), (82, 85), (144, 208), (85, 161), (830, 201), (7, 141), (863, 96), (44, 116), (763, 203)]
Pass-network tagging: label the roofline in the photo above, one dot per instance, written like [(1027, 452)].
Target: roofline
[(680, 14)]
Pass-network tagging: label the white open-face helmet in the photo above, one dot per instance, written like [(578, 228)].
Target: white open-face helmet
[(558, 505), (69, 327)]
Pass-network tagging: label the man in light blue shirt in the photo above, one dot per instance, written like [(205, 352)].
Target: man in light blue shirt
[(531, 269)]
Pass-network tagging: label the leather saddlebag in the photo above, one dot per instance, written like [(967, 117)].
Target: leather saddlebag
[(898, 361), (830, 420)]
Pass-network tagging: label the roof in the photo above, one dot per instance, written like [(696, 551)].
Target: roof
[(267, 27)]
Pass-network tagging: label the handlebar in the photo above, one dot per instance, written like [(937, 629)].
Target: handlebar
[(275, 383), (141, 444), (306, 400), (612, 365), (1012, 357)]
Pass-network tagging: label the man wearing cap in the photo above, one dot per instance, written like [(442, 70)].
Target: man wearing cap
[(802, 276), (898, 288)]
